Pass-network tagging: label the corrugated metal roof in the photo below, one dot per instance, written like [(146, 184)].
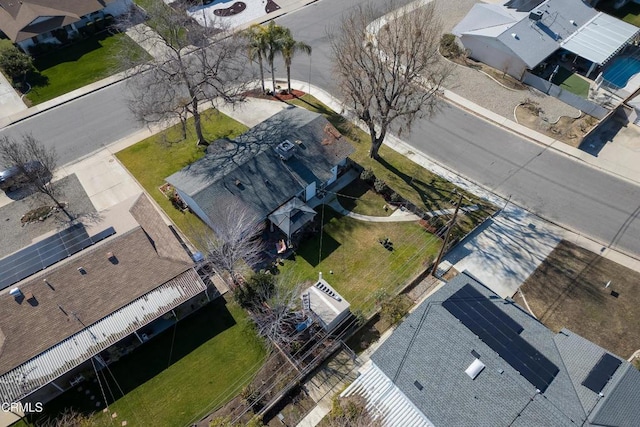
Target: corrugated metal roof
[(601, 38), (384, 400), (64, 356)]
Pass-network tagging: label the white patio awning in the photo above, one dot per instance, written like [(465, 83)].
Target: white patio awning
[(600, 39)]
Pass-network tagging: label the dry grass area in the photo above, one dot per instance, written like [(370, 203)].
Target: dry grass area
[(568, 291), (568, 130)]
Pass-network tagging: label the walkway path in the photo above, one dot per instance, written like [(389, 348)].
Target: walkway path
[(10, 101)]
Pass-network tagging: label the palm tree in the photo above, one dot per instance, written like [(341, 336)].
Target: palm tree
[(288, 48), (274, 36), (257, 47)]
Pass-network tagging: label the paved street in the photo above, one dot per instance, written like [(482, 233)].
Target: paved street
[(561, 189)]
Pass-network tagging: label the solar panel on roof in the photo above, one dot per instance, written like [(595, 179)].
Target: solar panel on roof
[(601, 373), (47, 252), (502, 334)]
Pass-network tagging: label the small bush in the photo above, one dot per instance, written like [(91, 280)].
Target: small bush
[(395, 197), (394, 310), (367, 175), (379, 185), (449, 47), (15, 63)]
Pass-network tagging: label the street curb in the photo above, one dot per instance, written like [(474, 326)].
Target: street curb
[(399, 146), (121, 76)]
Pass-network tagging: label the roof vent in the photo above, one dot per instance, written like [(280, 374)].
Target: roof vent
[(285, 149), (572, 22), (82, 271), (327, 290), (112, 258), (474, 369), (535, 15), (15, 292)]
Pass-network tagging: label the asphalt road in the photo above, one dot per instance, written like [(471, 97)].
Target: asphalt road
[(83, 125), (549, 184)]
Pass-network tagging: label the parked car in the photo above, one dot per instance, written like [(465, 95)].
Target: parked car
[(13, 179)]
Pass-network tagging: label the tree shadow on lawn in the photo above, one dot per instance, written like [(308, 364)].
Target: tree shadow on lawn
[(150, 359), (70, 53), (432, 196)]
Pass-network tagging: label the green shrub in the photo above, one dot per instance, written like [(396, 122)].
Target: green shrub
[(367, 175), (393, 311), (379, 185), (15, 63), (449, 48)]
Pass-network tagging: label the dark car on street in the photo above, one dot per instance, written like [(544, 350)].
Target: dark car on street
[(12, 179)]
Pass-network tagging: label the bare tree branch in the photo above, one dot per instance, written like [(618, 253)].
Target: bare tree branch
[(35, 162), (238, 243), (186, 70), (389, 69)]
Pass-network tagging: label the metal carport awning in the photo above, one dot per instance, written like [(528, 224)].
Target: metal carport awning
[(600, 39)]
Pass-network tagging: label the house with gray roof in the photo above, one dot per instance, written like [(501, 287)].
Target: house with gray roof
[(292, 155), (521, 34), (466, 357)]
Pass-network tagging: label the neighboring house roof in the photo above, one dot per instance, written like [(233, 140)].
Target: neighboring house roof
[(144, 258), (569, 24), (250, 170), (427, 355), (19, 20), (384, 400)]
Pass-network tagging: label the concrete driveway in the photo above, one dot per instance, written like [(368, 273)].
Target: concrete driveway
[(505, 250), (10, 102)]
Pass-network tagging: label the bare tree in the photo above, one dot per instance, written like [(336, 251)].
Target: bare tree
[(278, 315), (237, 243), (185, 71), (34, 163), (389, 69)]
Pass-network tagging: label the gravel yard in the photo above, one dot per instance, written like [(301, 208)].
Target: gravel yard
[(15, 236)]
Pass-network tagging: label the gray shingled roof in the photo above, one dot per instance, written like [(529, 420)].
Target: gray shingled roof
[(250, 170), (434, 348), (536, 41)]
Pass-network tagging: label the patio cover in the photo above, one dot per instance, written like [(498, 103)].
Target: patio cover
[(600, 39), (291, 216)]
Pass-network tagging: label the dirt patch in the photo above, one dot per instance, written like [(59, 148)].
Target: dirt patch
[(569, 130), (568, 290)]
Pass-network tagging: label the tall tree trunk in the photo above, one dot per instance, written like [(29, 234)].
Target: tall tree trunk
[(376, 141), (289, 78), (59, 204), (261, 71), (273, 75), (197, 122)]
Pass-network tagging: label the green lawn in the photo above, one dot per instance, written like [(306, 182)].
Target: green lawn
[(360, 264), (360, 198), (178, 376), (152, 160), (415, 183), (77, 65), (572, 82)]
